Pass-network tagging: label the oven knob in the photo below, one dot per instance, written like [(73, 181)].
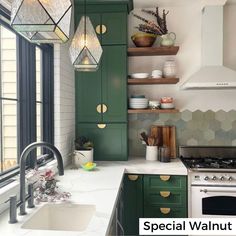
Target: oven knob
[(206, 178), (230, 178), (222, 178), (213, 178)]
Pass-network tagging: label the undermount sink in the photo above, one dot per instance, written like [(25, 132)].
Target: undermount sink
[(64, 217)]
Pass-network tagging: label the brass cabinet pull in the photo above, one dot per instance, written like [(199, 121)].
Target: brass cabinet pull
[(101, 29), (101, 126), (165, 194), (164, 177), (99, 108), (165, 211), (104, 108), (133, 177)]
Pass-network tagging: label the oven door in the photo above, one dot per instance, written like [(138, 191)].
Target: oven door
[(213, 201)]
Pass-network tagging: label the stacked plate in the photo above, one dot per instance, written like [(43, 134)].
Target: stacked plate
[(139, 76), (138, 103)]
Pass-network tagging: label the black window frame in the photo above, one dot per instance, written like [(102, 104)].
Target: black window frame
[(26, 76)]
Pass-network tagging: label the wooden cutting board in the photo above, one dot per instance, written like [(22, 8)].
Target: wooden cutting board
[(166, 136)]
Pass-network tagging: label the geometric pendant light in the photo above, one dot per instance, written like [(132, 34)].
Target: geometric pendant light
[(42, 21), (85, 49)]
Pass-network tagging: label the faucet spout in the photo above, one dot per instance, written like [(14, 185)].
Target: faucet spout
[(23, 158)]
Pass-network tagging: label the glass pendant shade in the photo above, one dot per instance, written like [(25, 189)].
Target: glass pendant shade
[(85, 49), (42, 21)]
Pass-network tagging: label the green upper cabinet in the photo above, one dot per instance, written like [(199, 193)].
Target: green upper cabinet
[(101, 95), (109, 20)]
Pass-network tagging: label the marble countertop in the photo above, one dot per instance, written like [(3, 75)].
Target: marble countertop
[(100, 188)]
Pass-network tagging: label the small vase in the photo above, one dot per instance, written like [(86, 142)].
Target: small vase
[(168, 40), (81, 157), (151, 153)]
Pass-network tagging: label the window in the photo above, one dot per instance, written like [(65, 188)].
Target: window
[(8, 99), (26, 98)]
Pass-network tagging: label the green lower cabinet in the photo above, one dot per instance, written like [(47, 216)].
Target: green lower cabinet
[(110, 140), (133, 203)]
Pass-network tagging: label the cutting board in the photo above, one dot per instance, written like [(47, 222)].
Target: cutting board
[(166, 136)]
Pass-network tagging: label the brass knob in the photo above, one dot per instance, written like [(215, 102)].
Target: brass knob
[(165, 177), (101, 29), (99, 108), (165, 211), (165, 194), (104, 108), (101, 126), (133, 177)]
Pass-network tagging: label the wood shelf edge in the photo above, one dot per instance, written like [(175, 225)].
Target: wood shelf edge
[(140, 111), (153, 81)]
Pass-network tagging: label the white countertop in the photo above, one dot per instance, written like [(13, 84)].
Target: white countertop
[(100, 188)]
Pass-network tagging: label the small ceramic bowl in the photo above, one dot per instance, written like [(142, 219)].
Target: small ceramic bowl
[(90, 167), (143, 39)]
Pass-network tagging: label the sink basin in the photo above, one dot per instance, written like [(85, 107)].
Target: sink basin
[(64, 217)]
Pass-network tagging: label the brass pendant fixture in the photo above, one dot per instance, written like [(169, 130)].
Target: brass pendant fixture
[(85, 49), (42, 21)]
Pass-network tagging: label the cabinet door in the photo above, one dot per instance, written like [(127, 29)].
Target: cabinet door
[(114, 83), (116, 28), (110, 143), (88, 96), (133, 203)]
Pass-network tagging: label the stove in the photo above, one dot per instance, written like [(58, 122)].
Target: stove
[(212, 180)]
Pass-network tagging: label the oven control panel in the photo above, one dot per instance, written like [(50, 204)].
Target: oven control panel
[(213, 178)]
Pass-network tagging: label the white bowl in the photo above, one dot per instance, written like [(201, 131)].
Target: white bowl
[(138, 106), (140, 75), (167, 105)]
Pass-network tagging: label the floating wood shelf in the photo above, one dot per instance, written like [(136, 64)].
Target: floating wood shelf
[(153, 51), (153, 81), (138, 111)]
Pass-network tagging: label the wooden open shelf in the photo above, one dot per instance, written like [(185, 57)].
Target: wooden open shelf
[(153, 51), (153, 81), (138, 111)]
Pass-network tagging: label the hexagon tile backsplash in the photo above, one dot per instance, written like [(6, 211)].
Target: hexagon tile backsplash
[(193, 128)]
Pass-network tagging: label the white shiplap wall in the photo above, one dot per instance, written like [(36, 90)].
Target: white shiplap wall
[(64, 100)]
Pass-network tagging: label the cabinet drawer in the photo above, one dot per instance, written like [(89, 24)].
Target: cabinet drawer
[(164, 212), (163, 197), (155, 182)]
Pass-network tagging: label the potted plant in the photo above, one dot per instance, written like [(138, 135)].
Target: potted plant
[(83, 151)]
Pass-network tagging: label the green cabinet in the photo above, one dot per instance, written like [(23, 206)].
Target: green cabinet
[(165, 196), (110, 140), (153, 196), (133, 203), (106, 87)]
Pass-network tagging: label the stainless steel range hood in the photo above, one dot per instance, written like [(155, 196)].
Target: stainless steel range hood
[(212, 75)]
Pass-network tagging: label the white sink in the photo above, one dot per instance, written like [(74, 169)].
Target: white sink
[(64, 217)]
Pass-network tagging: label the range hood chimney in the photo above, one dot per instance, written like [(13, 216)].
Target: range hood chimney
[(212, 75)]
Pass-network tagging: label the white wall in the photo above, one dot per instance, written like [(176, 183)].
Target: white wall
[(185, 21), (64, 96)]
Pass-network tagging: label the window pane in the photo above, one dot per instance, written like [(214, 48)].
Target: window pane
[(38, 75), (9, 134), (8, 63), (39, 126)]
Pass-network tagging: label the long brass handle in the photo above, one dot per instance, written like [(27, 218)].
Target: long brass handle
[(165, 194), (165, 211), (133, 177), (101, 126), (165, 177), (99, 108), (101, 29), (104, 108)]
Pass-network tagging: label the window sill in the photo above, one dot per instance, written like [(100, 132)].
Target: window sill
[(13, 188)]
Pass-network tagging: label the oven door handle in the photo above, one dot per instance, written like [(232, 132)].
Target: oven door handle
[(216, 191)]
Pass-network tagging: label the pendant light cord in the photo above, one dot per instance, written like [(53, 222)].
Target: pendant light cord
[(85, 25)]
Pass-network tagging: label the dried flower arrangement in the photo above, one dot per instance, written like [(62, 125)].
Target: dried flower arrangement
[(159, 28)]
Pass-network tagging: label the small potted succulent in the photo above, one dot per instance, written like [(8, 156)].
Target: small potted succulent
[(83, 151)]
